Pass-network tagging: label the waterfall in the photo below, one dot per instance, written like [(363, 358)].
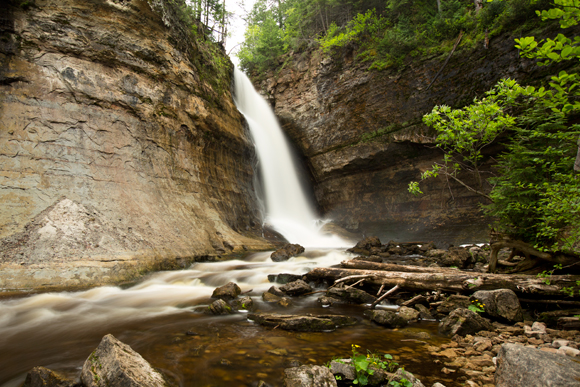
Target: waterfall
[(288, 208)]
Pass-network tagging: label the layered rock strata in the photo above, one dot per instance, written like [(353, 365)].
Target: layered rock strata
[(120, 149), (363, 139)]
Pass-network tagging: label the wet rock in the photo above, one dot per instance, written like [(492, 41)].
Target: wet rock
[(408, 313), (365, 246), (453, 302), (227, 292), (220, 307), (286, 252), (115, 364), (309, 376), (387, 318), (464, 322), (329, 301), (501, 304), (296, 288), (457, 256), (402, 374), (350, 294), (519, 366), (43, 377), (283, 278), (303, 323), (276, 291), (424, 312), (244, 303)]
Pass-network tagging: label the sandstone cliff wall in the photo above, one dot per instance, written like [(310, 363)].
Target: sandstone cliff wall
[(362, 136), (120, 149)]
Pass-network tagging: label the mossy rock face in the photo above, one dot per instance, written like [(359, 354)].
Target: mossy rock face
[(387, 318)]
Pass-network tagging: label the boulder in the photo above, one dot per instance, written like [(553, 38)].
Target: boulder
[(286, 252), (346, 370), (43, 377), (270, 297), (296, 288), (309, 376), (285, 302), (115, 364), (220, 307), (276, 291), (457, 256), (501, 304), (302, 323), (387, 318), (408, 313), (351, 295), (227, 292), (464, 322), (519, 366)]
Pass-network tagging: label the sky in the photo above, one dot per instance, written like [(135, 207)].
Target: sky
[(237, 25)]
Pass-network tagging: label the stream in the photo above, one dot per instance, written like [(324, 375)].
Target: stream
[(156, 318)]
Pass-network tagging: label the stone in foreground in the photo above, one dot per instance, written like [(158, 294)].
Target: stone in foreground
[(115, 364), (464, 322), (296, 288), (402, 374), (502, 304), (309, 376), (519, 366), (304, 323), (220, 308), (43, 377)]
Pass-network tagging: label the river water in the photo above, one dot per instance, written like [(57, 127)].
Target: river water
[(156, 317)]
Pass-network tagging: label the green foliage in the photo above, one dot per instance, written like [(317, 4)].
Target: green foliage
[(547, 275), (365, 365), (476, 306), (535, 195)]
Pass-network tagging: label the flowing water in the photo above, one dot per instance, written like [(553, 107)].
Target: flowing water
[(159, 316)]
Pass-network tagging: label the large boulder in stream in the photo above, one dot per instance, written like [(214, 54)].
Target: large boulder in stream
[(387, 318), (302, 323), (502, 304), (366, 246), (519, 366), (220, 308), (309, 376), (296, 288), (286, 252), (115, 364), (227, 292)]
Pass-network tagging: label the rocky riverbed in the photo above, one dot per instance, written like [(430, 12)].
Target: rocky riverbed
[(476, 337)]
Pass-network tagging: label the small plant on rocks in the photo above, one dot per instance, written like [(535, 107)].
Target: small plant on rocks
[(362, 364), (476, 306)]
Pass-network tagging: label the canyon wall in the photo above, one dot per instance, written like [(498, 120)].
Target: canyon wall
[(362, 135), (121, 149)]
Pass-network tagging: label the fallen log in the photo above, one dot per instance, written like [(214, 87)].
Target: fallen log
[(366, 265), (452, 281)]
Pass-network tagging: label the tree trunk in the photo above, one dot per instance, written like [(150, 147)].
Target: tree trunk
[(456, 281), (367, 265)]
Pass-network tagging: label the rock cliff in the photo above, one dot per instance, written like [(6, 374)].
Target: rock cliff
[(363, 139), (120, 146)]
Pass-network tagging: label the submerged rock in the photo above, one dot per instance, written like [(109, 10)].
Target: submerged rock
[(464, 322), (227, 292), (43, 377), (286, 252), (244, 303), (402, 374), (115, 364), (519, 366), (283, 278), (309, 376), (302, 323)]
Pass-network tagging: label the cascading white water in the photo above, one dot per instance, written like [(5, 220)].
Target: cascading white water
[(288, 209)]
